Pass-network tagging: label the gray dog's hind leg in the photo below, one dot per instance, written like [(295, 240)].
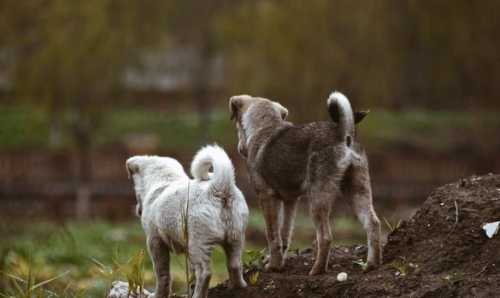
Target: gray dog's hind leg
[(160, 256), (358, 193), (271, 210), (289, 210), (320, 205), (234, 264)]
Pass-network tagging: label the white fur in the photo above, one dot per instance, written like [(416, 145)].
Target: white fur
[(223, 171), (345, 106), (214, 216)]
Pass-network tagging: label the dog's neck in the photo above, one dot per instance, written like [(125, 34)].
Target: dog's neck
[(159, 181), (257, 129)]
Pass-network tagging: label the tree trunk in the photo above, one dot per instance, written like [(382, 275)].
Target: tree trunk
[(203, 86), (83, 191), (55, 134)]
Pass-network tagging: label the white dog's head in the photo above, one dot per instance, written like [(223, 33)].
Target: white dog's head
[(150, 171)]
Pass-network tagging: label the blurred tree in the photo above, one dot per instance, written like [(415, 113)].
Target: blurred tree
[(380, 53), (299, 53), (458, 48), (70, 56), (194, 27)]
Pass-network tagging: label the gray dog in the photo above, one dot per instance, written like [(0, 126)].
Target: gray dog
[(314, 161)]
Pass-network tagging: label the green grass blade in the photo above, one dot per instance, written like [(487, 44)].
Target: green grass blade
[(49, 280)]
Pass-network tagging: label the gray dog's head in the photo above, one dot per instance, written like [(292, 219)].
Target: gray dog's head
[(253, 114)]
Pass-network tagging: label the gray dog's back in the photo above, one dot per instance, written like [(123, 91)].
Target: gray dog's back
[(295, 155)]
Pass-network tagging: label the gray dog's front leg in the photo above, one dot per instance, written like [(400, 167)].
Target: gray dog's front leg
[(160, 256)]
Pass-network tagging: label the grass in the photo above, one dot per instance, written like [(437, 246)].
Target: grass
[(391, 226), (98, 252), (401, 269), (24, 127)]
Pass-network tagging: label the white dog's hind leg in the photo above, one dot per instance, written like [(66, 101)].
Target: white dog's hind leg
[(160, 256), (200, 264), (234, 253)]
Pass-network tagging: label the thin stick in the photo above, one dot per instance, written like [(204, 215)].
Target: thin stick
[(456, 216), (484, 268)]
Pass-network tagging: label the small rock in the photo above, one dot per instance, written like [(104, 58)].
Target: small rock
[(341, 277), (473, 291), (120, 290)]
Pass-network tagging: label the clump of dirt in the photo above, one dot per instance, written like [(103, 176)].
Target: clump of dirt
[(441, 252)]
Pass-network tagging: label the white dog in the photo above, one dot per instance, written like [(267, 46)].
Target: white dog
[(216, 214)]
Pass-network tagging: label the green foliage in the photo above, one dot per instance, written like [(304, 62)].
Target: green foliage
[(255, 259), (22, 127), (361, 262), (70, 57), (400, 268), (55, 249), (254, 277), (27, 287), (132, 269)]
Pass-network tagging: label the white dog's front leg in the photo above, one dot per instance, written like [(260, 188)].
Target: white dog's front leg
[(160, 256)]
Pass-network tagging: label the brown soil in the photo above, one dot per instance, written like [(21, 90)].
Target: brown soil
[(447, 255)]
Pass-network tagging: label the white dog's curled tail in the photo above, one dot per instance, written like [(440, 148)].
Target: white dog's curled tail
[(214, 157), (341, 113)]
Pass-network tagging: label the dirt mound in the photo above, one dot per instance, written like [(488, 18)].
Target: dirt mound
[(442, 252)]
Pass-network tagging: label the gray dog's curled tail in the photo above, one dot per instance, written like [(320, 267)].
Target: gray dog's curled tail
[(341, 113), (222, 175)]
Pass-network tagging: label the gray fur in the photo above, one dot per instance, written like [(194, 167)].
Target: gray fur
[(217, 214), (312, 161)]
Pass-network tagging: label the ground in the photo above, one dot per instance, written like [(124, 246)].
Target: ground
[(441, 252)]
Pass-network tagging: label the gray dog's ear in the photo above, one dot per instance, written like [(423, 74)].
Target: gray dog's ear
[(282, 109), (235, 104), (360, 115)]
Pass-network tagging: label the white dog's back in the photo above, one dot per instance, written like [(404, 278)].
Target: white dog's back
[(216, 207)]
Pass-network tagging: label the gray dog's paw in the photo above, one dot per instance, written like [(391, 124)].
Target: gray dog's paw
[(239, 285), (369, 267), (273, 268)]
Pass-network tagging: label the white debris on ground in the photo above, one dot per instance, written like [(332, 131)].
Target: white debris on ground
[(120, 290), (342, 276), (491, 228)]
